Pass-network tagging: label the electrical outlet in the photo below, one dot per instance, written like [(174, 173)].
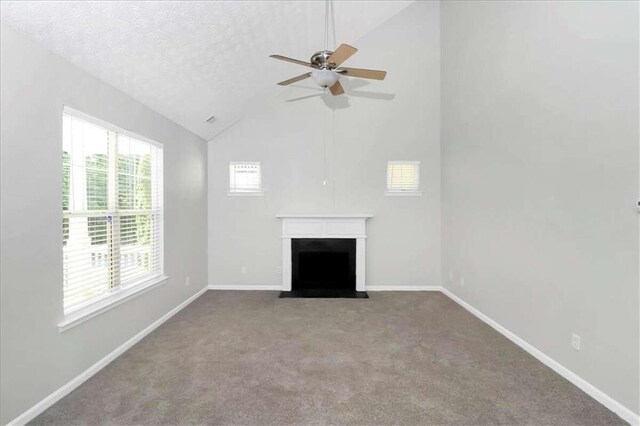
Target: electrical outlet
[(243, 270), (462, 281), (187, 281), (575, 341), (450, 276)]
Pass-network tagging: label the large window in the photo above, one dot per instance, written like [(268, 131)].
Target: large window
[(112, 211)]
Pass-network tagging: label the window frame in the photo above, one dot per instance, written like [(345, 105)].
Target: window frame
[(411, 193), (254, 193), (93, 307)]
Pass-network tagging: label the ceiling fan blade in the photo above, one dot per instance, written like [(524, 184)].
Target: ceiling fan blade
[(342, 53), (363, 73), (336, 89), (295, 61), (294, 79)]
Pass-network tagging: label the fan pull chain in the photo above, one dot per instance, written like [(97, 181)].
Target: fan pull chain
[(333, 147), (324, 147)]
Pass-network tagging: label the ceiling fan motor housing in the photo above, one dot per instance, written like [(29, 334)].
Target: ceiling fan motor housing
[(320, 59)]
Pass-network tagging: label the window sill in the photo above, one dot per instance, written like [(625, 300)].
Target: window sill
[(245, 194), (403, 194), (109, 302)]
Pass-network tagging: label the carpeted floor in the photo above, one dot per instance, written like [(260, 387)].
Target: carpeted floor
[(249, 358)]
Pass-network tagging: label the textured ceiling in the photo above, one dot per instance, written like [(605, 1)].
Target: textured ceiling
[(189, 60)]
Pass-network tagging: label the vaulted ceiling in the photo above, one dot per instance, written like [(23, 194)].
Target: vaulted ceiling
[(189, 60)]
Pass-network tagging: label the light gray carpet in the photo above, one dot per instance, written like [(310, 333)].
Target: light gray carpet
[(250, 358)]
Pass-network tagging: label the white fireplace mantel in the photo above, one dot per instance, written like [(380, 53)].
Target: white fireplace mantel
[(323, 226)]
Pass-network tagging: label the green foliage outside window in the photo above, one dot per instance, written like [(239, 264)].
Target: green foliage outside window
[(134, 193)]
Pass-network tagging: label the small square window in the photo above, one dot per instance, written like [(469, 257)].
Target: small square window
[(403, 178), (245, 178)]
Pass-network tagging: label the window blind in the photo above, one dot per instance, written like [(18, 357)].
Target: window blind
[(403, 176), (245, 177), (112, 211)]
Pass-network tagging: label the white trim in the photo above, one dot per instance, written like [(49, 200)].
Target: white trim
[(361, 258), (60, 393), (403, 193), (259, 287), (287, 266), (270, 287), (403, 288), (109, 126), (97, 307), (604, 399)]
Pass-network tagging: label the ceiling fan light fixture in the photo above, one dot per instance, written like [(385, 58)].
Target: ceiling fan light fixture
[(324, 78)]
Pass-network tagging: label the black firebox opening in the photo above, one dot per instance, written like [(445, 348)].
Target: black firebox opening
[(324, 267)]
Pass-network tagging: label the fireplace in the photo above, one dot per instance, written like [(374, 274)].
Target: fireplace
[(323, 256), (323, 265)]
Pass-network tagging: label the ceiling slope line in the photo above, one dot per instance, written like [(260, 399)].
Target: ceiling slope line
[(226, 128)]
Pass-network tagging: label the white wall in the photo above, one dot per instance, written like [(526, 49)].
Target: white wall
[(36, 358), (403, 247), (540, 177)]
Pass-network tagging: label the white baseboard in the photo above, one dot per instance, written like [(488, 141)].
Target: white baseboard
[(263, 287), (604, 399), (41, 406), (368, 288), (403, 288)]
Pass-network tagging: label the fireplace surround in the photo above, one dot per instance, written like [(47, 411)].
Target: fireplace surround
[(323, 255)]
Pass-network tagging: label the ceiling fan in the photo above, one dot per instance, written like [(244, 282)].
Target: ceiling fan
[(327, 69)]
